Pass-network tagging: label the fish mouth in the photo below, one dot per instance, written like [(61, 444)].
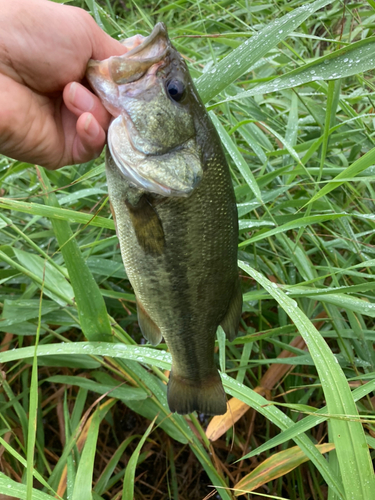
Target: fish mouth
[(151, 166), (143, 52)]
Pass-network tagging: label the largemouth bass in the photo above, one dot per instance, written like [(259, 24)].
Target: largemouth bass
[(175, 212)]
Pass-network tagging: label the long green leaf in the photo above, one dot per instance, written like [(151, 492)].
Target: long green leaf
[(56, 212), (298, 222), (83, 482), (241, 59), (10, 488), (92, 311), (122, 392), (128, 489), (349, 438), (237, 158), (53, 280), (33, 407), (349, 173), (164, 360), (307, 423), (348, 61), (111, 465)]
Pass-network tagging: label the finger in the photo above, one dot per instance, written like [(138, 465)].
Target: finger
[(78, 99), (28, 128), (90, 139)]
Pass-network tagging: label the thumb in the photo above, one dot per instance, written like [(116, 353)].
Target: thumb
[(103, 46)]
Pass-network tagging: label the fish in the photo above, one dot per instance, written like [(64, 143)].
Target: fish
[(175, 212)]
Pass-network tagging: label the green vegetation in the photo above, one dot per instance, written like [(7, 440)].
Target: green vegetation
[(290, 89)]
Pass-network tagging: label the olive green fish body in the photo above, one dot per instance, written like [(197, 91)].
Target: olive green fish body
[(180, 248)]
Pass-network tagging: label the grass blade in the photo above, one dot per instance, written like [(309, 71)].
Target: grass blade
[(83, 483), (128, 489), (110, 467), (90, 303), (8, 488), (241, 59), (307, 423), (33, 407), (345, 62), (349, 438), (276, 466), (56, 212), (164, 361), (237, 158), (298, 222), (349, 173)]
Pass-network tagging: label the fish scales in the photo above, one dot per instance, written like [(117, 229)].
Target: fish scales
[(179, 247)]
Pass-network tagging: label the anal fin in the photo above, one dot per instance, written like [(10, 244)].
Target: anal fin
[(232, 317), (149, 328)]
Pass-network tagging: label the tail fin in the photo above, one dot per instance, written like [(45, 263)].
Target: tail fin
[(187, 395)]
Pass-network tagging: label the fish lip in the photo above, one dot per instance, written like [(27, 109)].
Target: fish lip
[(133, 64), (159, 30)]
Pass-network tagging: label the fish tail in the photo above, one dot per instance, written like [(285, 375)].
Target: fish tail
[(187, 395)]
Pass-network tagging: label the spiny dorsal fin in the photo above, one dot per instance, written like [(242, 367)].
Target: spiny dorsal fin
[(147, 226)]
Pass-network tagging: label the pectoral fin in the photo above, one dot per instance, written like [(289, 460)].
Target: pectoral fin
[(147, 226), (232, 317), (149, 329)]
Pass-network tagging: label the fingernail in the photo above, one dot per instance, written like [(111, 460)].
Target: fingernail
[(80, 97), (91, 126)]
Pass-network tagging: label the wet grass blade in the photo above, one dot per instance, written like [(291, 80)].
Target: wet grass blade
[(241, 59), (298, 222), (260, 404), (83, 481), (237, 158), (307, 423), (349, 438), (276, 466), (164, 360), (349, 173), (10, 488), (348, 61), (56, 212), (90, 303), (33, 407), (128, 488)]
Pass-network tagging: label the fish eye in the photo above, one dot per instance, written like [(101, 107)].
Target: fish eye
[(176, 90)]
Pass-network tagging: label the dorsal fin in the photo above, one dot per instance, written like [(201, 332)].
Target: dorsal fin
[(147, 226)]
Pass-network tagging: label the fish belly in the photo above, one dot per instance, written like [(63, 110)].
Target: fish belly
[(183, 285)]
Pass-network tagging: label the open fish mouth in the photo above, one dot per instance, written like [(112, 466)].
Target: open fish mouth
[(143, 52), (152, 136)]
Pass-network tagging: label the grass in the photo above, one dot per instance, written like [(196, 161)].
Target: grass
[(83, 403)]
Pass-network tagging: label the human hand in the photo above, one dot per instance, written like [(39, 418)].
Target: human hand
[(46, 117)]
